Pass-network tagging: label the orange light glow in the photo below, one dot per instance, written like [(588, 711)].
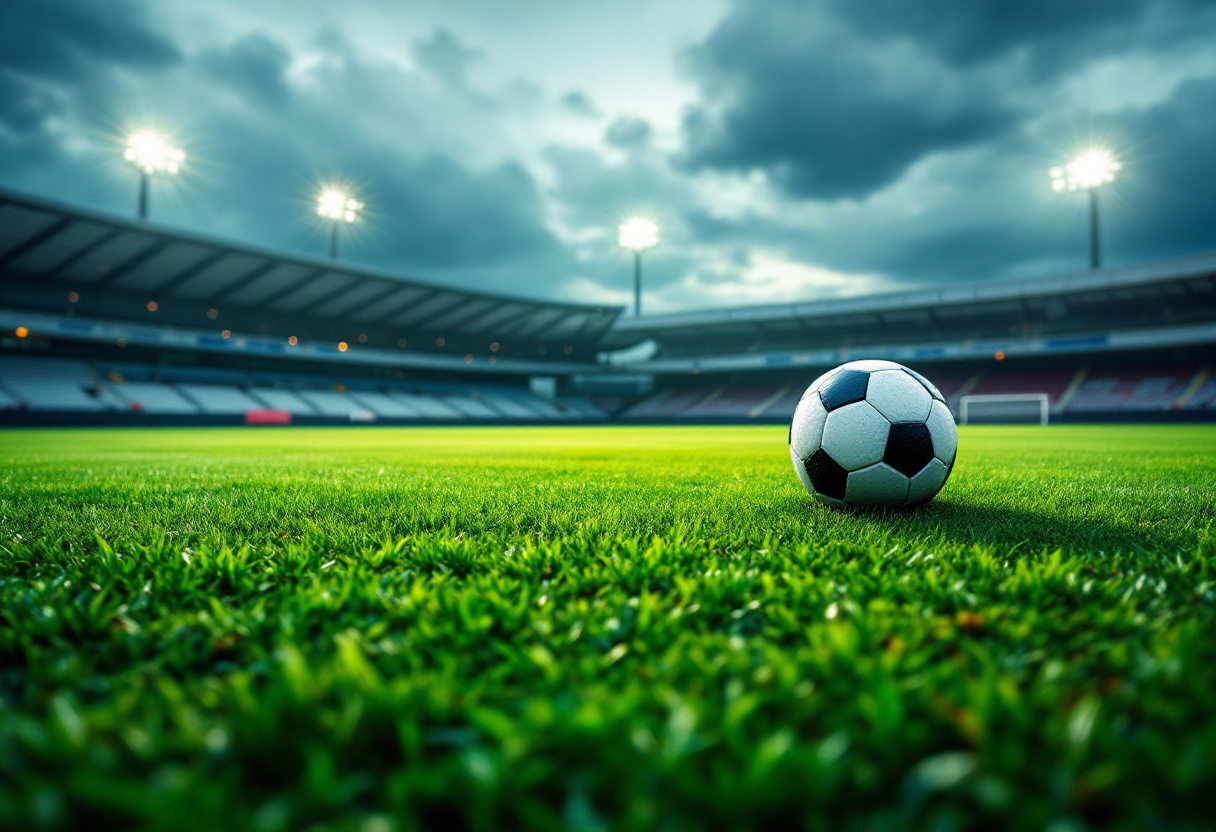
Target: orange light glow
[(494, 347), (213, 313), (227, 333), (153, 306), (73, 297), (21, 332), (343, 346), (1000, 355), (293, 340)]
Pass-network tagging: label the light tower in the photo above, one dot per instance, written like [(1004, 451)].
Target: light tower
[(337, 207), (637, 235), (150, 154), (1088, 172)]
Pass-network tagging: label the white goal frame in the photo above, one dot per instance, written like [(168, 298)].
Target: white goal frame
[(996, 398)]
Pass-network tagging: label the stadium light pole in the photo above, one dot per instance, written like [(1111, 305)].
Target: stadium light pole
[(637, 235), (151, 154), (1088, 172), (337, 207)]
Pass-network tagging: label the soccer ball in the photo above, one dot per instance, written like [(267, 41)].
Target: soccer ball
[(873, 433)]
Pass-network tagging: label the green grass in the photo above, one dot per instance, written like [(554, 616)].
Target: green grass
[(586, 629)]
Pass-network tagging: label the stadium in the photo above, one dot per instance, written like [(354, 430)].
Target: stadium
[(112, 322), (886, 514)]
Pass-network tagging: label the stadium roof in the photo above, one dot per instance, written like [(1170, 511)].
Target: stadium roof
[(1180, 282), (77, 249)]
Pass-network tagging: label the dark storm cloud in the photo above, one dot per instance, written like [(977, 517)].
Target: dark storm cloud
[(1051, 34), (628, 133), (839, 99), (826, 117), (446, 57), (254, 65), (996, 217), (70, 38)]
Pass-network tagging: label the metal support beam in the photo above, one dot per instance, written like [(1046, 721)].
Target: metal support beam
[(36, 240), (135, 262)]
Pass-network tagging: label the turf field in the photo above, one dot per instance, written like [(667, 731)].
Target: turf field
[(601, 628)]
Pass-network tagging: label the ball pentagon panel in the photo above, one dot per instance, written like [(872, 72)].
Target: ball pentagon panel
[(909, 447), (843, 388), (826, 475)]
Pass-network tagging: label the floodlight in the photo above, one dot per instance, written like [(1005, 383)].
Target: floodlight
[(338, 207), (148, 151), (638, 234), (333, 204), (1092, 169), (1088, 172)]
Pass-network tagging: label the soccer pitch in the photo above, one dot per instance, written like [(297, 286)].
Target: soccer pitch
[(601, 628)]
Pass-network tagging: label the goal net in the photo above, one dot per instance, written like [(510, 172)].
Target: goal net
[(1009, 408)]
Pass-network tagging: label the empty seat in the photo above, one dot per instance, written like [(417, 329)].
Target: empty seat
[(219, 398), (276, 399), (332, 403), (383, 405), (152, 397)]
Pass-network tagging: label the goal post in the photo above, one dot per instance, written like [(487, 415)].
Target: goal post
[(1004, 408)]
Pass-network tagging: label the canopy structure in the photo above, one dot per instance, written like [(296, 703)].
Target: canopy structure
[(46, 246), (1178, 293)]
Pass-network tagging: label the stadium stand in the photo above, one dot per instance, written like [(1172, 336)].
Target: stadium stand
[(104, 320), (54, 385)]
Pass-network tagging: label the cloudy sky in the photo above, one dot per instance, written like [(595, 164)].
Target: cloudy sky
[(789, 149)]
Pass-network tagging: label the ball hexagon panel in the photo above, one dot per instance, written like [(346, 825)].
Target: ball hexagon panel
[(933, 391), (800, 470), (806, 430), (855, 435), (877, 485), (898, 396), (928, 482), (943, 432), (843, 388), (909, 447), (826, 475)]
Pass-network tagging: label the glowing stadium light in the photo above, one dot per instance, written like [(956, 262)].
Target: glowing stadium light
[(148, 151), (1092, 169), (1088, 172), (338, 207), (637, 235)]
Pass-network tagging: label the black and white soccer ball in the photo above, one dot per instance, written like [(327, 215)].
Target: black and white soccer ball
[(873, 433)]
